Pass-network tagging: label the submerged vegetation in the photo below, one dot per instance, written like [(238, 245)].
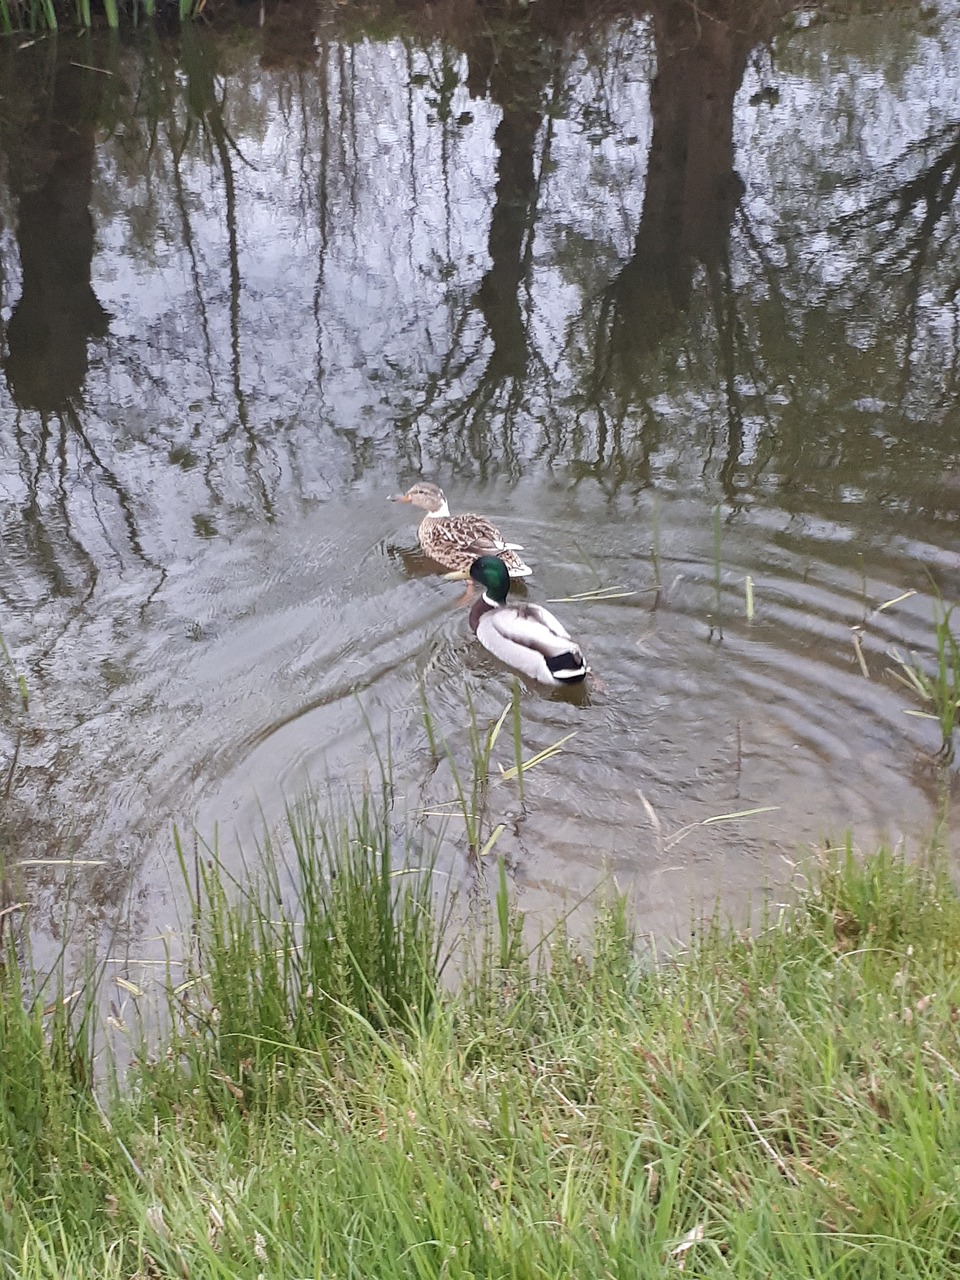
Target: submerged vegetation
[(49, 15), (778, 1102)]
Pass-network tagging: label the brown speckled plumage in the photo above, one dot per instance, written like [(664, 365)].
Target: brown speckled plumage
[(456, 541)]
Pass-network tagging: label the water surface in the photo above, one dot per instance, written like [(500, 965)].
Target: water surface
[(676, 312)]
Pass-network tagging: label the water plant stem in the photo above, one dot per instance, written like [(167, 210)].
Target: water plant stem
[(717, 624)]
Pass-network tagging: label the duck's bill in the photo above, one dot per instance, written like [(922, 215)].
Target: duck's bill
[(456, 575), (397, 497)]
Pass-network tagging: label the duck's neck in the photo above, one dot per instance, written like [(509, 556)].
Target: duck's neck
[(480, 607), (442, 511)]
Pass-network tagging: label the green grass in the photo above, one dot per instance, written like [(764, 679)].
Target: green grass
[(939, 690), (781, 1102)]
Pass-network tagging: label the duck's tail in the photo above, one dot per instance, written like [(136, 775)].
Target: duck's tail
[(516, 567), (568, 667)]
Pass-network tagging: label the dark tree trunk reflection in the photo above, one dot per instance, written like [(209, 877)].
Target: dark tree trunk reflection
[(515, 78), (57, 313), (692, 189)]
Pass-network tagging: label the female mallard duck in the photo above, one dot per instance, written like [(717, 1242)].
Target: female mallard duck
[(456, 541), (526, 637)]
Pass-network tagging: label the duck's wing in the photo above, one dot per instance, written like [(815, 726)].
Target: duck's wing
[(482, 535), (533, 627), (457, 541), (531, 640)]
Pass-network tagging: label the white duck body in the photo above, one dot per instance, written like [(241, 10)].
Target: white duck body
[(526, 637)]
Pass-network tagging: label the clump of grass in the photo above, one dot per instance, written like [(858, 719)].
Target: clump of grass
[(941, 690), (328, 934), (884, 907), (46, 1100)]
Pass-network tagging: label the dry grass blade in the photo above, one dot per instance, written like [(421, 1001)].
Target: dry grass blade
[(601, 593), (494, 836), (942, 1059), (858, 649), (888, 604), (190, 984), (126, 985), (693, 1236), (62, 1002), (88, 66), (739, 813), (495, 731), (774, 1155), (62, 862), (909, 675), (715, 818), (650, 811), (454, 808), (508, 774)]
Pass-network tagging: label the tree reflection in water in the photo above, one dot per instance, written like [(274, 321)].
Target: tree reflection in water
[(344, 249)]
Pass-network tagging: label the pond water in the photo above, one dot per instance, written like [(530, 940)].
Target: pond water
[(677, 307)]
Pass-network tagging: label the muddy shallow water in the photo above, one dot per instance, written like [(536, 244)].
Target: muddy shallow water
[(676, 314)]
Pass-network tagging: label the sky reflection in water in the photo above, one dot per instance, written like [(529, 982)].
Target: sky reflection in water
[(252, 284)]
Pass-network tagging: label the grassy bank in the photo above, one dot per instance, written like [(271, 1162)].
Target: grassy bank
[(780, 1105)]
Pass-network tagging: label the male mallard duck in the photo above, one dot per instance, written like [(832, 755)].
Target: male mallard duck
[(456, 541), (526, 637)]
